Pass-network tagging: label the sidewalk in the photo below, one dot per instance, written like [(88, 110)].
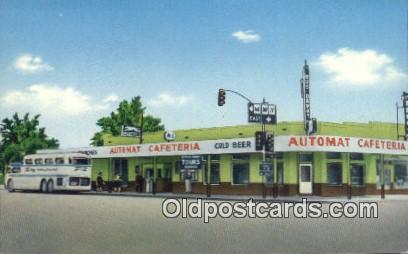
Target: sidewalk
[(219, 197), (297, 198)]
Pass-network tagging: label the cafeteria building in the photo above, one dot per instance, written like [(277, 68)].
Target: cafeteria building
[(340, 159)]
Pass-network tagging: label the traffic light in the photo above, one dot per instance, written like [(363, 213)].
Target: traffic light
[(259, 140), (270, 142), (221, 97)]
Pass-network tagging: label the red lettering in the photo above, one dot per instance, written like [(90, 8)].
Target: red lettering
[(340, 142), (331, 141), (312, 139), (292, 141), (303, 141), (196, 146), (360, 142), (320, 141)]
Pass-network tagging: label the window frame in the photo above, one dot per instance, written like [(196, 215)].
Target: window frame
[(47, 163), (341, 174), (364, 174), (241, 162)]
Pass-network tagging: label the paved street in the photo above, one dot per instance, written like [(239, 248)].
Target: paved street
[(76, 223)]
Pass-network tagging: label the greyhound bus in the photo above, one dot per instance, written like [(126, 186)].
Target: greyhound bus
[(49, 172)]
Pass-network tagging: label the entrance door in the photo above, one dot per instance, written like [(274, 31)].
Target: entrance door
[(120, 167), (305, 179)]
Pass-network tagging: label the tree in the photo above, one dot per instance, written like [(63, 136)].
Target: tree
[(21, 136), (127, 113)]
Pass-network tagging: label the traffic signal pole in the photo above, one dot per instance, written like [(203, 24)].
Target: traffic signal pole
[(221, 102)]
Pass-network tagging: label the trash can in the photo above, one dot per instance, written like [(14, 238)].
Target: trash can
[(188, 185)]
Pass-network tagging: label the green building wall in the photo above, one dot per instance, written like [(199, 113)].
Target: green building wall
[(290, 159)]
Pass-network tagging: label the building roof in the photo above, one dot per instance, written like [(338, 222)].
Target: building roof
[(380, 130)]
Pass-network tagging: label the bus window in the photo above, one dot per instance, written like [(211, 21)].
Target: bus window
[(80, 161), (38, 161), (48, 161), (15, 170), (28, 161), (59, 160)]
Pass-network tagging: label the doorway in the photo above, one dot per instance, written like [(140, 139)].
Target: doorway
[(305, 178), (120, 167)]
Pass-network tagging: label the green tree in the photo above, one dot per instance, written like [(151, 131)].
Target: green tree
[(127, 113), (21, 136)]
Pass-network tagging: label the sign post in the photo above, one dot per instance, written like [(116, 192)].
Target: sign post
[(189, 165), (264, 113)]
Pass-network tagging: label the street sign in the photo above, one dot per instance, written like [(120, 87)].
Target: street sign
[(262, 112), (190, 162), (265, 168)]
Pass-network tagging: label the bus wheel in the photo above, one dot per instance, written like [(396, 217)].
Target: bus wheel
[(10, 185), (43, 186), (50, 186)]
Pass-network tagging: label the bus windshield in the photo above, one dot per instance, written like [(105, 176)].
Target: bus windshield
[(80, 161)]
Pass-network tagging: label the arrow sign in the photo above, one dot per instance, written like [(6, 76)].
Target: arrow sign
[(262, 112), (250, 108)]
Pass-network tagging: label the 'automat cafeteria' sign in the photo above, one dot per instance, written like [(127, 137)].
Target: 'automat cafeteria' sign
[(340, 144), (241, 145), (246, 145)]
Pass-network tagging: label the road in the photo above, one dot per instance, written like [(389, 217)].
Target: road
[(77, 223)]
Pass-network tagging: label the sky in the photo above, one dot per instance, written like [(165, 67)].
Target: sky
[(74, 61)]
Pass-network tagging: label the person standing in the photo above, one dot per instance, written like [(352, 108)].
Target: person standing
[(139, 183), (99, 182), (117, 184)]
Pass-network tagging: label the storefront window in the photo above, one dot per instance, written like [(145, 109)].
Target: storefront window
[(356, 156), (280, 172), (240, 156), (333, 156), (240, 173), (334, 173), (215, 173), (240, 168), (167, 172), (357, 174), (306, 157), (401, 175)]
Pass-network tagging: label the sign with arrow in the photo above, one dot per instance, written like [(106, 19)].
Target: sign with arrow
[(262, 113)]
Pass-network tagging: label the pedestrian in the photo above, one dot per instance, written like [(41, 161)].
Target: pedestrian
[(99, 182), (139, 183), (117, 184)]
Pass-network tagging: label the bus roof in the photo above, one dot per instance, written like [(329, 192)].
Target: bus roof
[(56, 154)]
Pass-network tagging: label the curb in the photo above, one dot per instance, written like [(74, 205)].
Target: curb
[(257, 199)]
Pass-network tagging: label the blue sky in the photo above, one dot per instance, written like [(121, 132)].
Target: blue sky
[(72, 61)]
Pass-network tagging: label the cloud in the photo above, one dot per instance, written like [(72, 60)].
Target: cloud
[(169, 100), (111, 98), (67, 113), (348, 67), (247, 36), (29, 64), (52, 101)]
